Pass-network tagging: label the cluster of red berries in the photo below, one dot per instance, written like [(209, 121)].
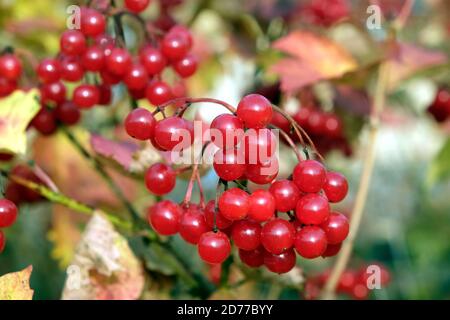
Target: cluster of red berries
[(353, 282), (10, 72), (325, 12), (440, 108), (8, 215)]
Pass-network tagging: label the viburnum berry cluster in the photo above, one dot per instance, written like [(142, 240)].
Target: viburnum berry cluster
[(440, 108), (8, 215), (10, 72), (268, 225)]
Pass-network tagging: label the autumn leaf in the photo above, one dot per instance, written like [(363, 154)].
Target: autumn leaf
[(16, 112), (312, 58), (16, 285)]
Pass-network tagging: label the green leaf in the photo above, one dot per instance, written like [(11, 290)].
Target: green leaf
[(439, 169)]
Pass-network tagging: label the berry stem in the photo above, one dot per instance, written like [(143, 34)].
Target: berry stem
[(190, 187), (188, 101), (200, 190), (289, 141)]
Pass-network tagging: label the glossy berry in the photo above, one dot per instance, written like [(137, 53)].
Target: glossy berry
[(173, 132), (262, 206), (226, 131), (259, 145), (246, 234), (136, 6), (253, 258), (229, 164), (174, 46), (140, 124), (118, 62), (186, 66), (160, 179), (309, 176), (86, 96), (136, 77), (262, 173), (8, 213), (280, 263), (2, 241), (311, 242), (277, 236), (221, 222), (105, 94), (336, 228), (53, 93), (332, 250), (44, 122), (335, 187), (255, 111), (93, 23), (7, 87), (158, 92), (153, 60), (73, 43), (214, 247), (109, 78), (164, 217), (71, 70), (93, 59), (312, 209), (183, 32), (286, 194), (10, 67), (234, 204), (49, 70), (193, 225), (68, 113)]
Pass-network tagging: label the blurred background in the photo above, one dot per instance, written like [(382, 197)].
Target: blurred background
[(406, 222)]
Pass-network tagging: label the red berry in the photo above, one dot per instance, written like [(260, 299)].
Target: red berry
[(234, 204), (336, 228), (153, 60), (259, 145), (2, 241), (286, 194), (302, 116), (137, 6), (93, 59), (174, 46), (8, 213), (93, 23), (68, 113), (360, 292), (214, 247), (109, 78), (255, 111), (73, 43), (105, 94), (86, 96), (280, 263), (10, 67), (49, 70), (53, 93), (158, 92), (277, 236), (136, 77), (253, 258), (246, 234), (173, 132), (332, 250), (229, 164), (7, 87), (140, 124), (335, 187), (160, 179), (347, 281), (226, 131), (44, 122), (332, 126), (221, 221), (312, 209), (165, 217), (262, 206), (106, 42), (262, 173), (309, 176), (71, 70), (186, 66), (184, 32), (193, 225), (118, 62), (311, 242)]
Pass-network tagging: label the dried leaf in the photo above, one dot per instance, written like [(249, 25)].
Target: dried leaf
[(16, 285)]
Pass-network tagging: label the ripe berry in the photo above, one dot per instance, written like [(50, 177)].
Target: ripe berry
[(360, 292), (153, 60), (193, 225), (165, 217), (105, 94), (10, 67), (311, 242), (312, 209), (335, 187), (136, 77), (253, 258), (332, 125), (183, 32), (73, 43), (49, 70), (221, 221), (262, 173), (226, 131), (93, 23), (8, 213), (86, 96), (93, 59), (174, 46), (109, 78), (234, 204), (309, 176), (68, 113), (214, 247), (229, 164), (259, 145), (280, 263), (2, 241), (160, 179), (246, 234), (173, 132), (277, 236), (53, 93), (136, 6), (7, 87), (71, 70), (332, 250), (286, 194), (255, 111), (262, 206), (44, 122), (186, 66), (336, 228), (158, 92), (118, 62), (347, 281), (140, 124)]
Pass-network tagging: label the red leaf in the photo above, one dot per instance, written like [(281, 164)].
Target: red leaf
[(121, 152)]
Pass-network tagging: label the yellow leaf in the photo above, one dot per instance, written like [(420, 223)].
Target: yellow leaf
[(16, 112), (16, 285)]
